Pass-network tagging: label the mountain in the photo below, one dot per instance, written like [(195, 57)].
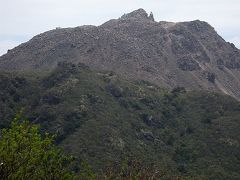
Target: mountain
[(189, 54), (101, 117), (132, 88)]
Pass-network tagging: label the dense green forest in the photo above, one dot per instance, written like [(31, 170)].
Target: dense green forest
[(100, 118), (25, 153)]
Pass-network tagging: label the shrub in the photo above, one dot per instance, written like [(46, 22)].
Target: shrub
[(26, 154)]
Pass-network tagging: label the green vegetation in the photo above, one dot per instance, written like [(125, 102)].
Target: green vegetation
[(25, 154), (101, 118)]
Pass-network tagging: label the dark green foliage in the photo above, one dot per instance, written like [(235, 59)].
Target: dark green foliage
[(134, 169), (99, 117)]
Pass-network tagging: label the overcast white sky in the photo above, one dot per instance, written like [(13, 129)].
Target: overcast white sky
[(20, 20)]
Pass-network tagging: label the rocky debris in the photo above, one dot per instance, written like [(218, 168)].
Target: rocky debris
[(147, 135), (150, 121), (209, 76), (233, 61), (137, 47), (188, 64)]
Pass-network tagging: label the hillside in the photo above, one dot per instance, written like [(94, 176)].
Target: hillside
[(189, 54), (101, 117)]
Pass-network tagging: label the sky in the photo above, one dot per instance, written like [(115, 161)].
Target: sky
[(20, 20)]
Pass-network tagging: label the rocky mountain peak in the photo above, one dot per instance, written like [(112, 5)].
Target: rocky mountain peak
[(189, 54), (140, 14), (199, 26)]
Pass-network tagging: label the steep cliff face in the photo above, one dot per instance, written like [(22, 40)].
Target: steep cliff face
[(189, 54)]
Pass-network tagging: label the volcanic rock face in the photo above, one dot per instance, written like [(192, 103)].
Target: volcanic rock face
[(189, 54)]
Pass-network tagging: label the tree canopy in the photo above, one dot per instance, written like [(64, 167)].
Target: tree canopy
[(26, 154)]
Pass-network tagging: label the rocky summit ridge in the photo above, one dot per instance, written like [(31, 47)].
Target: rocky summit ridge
[(189, 54)]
